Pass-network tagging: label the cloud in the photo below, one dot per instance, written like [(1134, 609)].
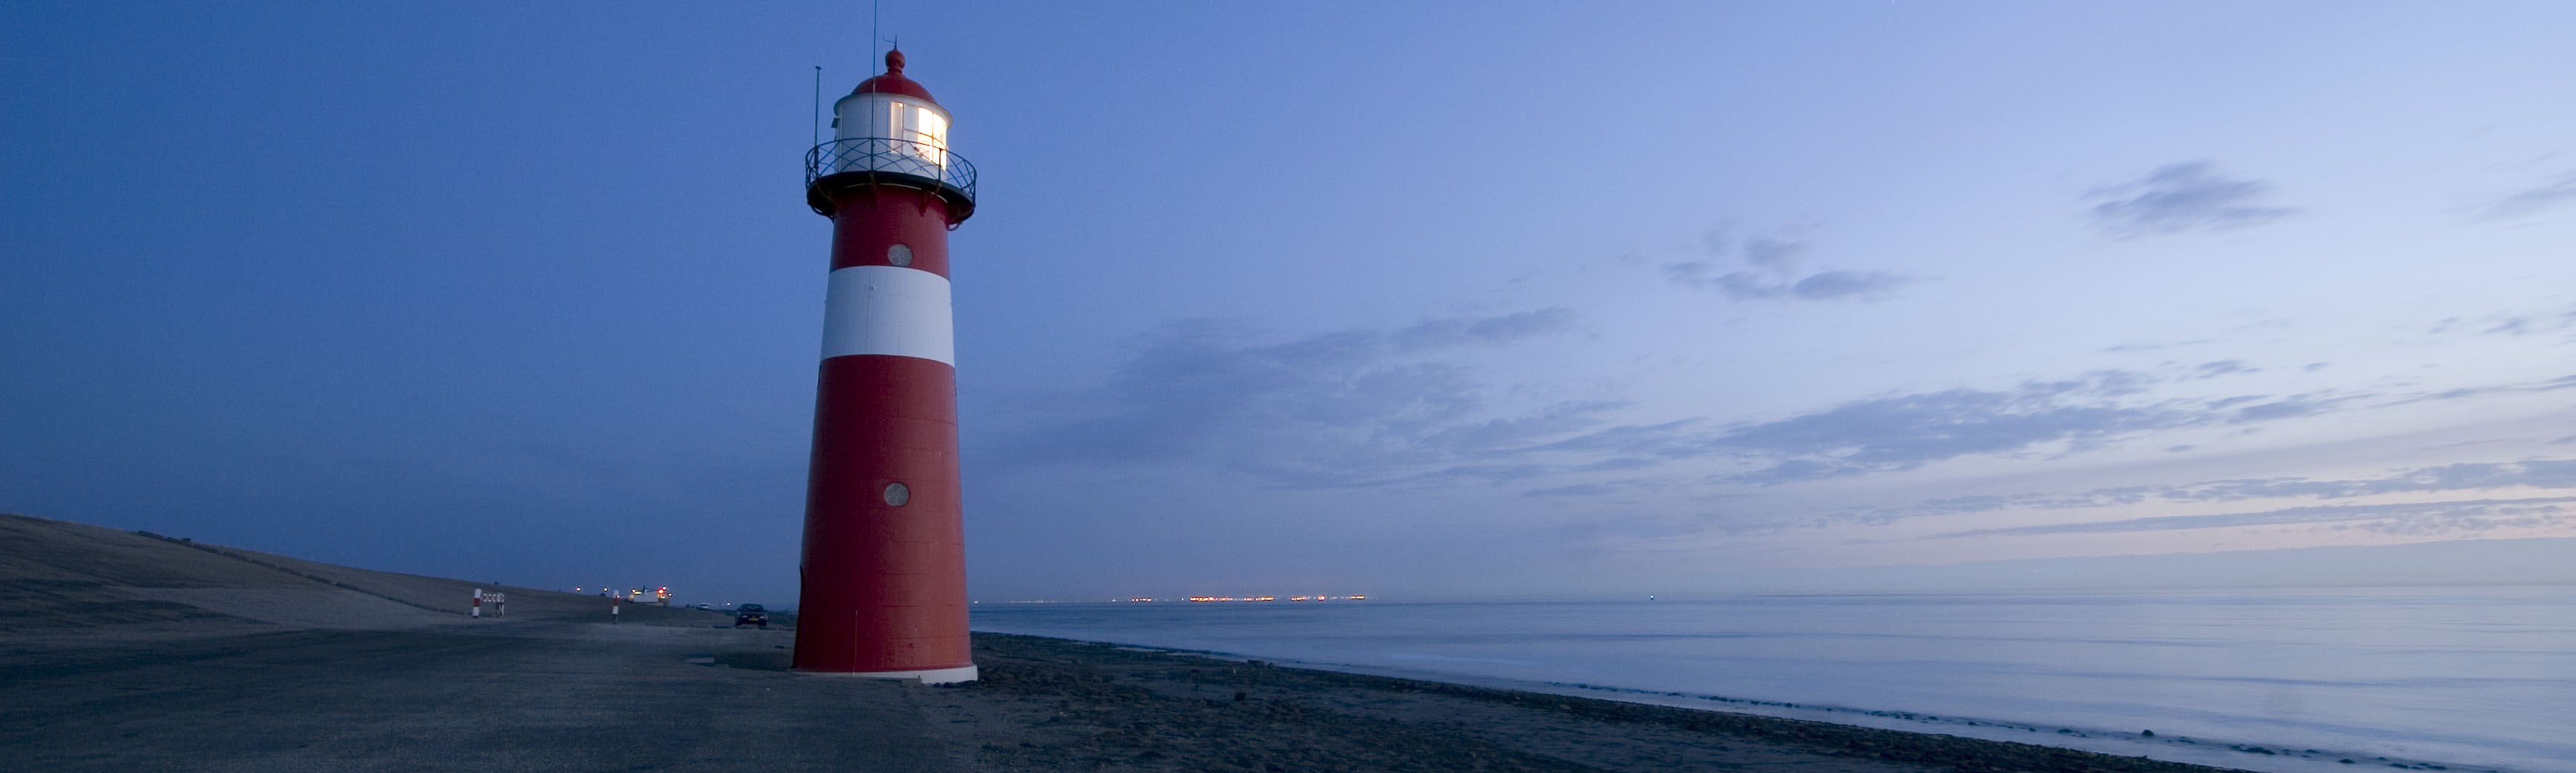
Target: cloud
[(1907, 431), (2535, 199), (2152, 346), (2509, 324), (2209, 370), (2182, 197), (1776, 255), (1456, 331), (2523, 325), (1821, 286), (2409, 519), (1344, 408), (1845, 284), (1576, 490), (1385, 407), (2286, 408), (2462, 393), (1773, 272), (2465, 476), (1745, 285), (1622, 463), (1546, 423)]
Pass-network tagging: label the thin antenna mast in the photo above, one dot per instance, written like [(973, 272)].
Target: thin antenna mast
[(817, 123)]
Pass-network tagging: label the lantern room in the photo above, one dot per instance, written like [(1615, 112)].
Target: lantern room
[(889, 131), (903, 118)]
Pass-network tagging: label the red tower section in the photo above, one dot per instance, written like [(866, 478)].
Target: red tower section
[(884, 568)]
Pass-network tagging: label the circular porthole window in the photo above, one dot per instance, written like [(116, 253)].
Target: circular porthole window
[(899, 255), (896, 494)]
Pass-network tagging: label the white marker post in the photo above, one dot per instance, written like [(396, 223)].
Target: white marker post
[(478, 603)]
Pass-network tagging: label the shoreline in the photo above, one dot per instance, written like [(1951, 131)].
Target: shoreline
[(2194, 753), (129, 651), (671, 696), (1506, 716)]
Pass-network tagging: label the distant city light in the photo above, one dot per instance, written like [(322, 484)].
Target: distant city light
[(1315, 597)]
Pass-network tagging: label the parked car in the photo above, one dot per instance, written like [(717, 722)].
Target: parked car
[(750, 614)]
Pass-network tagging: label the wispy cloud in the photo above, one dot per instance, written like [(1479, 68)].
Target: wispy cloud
[(2510, 324), (2543, 474), (2262, 409), (1576, 490), (2466, 476), (2182, 197), (2463, 393), (1826, 285), (1390, 407), (1908, 431), (1458, 331), (2545, 196), (1774, 269), (2411, 519), (1776, 255), (2154, 345), (1353, 407), (2214, 369), (1820, 286)]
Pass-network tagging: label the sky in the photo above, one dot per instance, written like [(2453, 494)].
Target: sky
[(1420, 300)]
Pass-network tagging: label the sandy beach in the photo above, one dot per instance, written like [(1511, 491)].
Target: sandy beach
[(123, 651), (587, 696)]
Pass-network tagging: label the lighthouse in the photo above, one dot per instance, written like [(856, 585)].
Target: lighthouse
[(884, 564)]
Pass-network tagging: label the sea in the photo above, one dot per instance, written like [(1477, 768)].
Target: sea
[(2460, 679)]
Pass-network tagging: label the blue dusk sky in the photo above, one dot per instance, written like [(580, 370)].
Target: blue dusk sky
[(1424, 300)]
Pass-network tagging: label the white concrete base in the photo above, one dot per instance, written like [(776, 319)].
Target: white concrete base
[(930, 676)]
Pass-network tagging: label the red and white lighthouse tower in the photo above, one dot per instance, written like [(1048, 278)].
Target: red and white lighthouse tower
[(885, 560)]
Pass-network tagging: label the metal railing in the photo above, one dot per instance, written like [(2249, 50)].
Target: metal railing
[(879, 155)]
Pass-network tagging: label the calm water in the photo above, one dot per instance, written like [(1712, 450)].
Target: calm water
[(2467, 678)]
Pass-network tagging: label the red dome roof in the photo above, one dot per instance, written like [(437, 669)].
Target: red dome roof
[(893, 82)]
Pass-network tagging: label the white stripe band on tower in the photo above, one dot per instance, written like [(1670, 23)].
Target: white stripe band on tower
[(888, 310)]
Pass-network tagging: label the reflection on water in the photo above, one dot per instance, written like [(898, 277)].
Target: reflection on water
[(2472, 677)]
